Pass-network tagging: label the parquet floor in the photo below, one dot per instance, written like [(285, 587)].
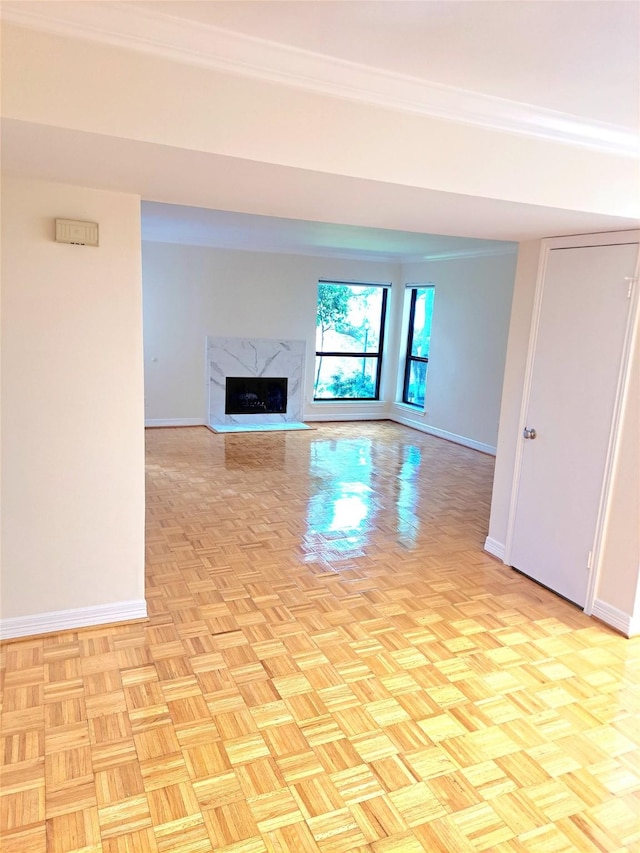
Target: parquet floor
[(331, 664)]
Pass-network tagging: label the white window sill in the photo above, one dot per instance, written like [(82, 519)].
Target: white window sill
[(407, 407), (347, 403)]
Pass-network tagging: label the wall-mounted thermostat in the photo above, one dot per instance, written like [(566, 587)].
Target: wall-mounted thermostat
[(78, 233)]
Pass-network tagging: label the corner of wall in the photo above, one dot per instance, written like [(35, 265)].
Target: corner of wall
[(512, 389)]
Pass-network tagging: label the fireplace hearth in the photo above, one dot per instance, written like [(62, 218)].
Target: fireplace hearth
[(255, 395)]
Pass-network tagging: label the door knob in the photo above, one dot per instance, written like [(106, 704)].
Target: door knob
[(529, 433)]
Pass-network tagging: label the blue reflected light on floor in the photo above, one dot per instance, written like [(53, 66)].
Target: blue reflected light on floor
[(343, 508), (407, 499), (349, 496)]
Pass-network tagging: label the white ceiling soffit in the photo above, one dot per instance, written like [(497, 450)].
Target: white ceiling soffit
[(184, 40), (196, 179)]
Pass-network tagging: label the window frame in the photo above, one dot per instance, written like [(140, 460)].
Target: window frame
[(409, 358), (377, 354)]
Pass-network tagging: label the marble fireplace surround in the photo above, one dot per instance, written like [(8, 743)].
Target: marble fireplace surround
[(255, 357)]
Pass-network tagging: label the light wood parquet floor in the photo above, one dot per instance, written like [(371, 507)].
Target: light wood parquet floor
[(331, 664)]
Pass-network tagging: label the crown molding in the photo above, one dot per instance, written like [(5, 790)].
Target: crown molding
[(483, 252), (181, 40)]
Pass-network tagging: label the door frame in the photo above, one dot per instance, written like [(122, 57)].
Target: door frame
[(622, 392)]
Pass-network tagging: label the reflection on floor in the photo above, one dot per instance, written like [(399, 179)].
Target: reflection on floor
[(331, 664), (283, 427)]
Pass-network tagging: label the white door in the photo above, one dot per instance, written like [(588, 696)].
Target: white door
[(577, 360)]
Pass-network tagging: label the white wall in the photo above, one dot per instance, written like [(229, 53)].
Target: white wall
[(618, 582), (73, 441), (468, 347), (191, 292), (512, 390)]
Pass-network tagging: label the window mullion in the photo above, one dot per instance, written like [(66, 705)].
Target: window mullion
[(413, 389)]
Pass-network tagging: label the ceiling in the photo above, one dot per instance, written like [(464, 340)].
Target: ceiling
[(171, 223), (577, 58)]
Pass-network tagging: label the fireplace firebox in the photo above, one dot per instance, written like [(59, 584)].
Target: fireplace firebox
[(255, 395)]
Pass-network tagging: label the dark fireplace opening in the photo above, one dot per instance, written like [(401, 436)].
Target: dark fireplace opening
[(255, 396)]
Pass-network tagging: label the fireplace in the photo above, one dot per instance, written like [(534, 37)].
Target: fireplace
[(255, 383), (255, 395)]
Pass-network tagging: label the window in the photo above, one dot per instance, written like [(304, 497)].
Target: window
[(418, 340), (349, 339)]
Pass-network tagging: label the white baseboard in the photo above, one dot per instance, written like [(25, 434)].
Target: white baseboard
[(617, 619), (173, 422), (350, 416), (442, 433), (65, 620), (495, 548)]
